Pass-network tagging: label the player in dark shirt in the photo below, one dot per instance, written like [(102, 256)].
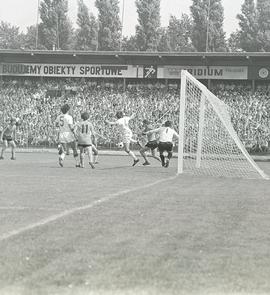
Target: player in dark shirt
[(166, 135), (152, 143)]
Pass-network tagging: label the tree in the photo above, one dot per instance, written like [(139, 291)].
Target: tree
[(249, 27), (10, 37), (148, 29), (109, 31), (29, 38), (87, 33), (208, 33), (234, 42), (55, 29), (93, 32), (164, 40), (129, 44), (263, 10), (179, 33)]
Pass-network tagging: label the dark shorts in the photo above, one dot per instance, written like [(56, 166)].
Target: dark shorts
[(7, 138), (165, 147), (152, 144)]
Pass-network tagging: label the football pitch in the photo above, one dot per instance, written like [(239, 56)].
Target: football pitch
[(128, 230)]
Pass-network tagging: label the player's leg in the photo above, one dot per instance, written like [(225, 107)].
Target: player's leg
[(81, 150), (4, 147), (143, 153), (73, 146), (161, 153), (89, 151), (128, 151), (62, 153), (95, 154), (169, 148), (153, 153), (153, 145), (13, 147), (136, 141)]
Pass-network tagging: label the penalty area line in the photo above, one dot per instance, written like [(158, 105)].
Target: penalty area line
[(65, 213)]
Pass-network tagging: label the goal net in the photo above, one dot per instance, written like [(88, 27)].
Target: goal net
[(208, 143)]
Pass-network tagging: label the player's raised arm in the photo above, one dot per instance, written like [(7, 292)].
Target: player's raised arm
[(152, 131), (110, 122)]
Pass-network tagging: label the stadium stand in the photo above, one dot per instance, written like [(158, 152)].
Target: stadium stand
[(37, 103)]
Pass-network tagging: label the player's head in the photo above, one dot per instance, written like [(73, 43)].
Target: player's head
[(65, 108), (119, 115), (85, 116), (168, 124)]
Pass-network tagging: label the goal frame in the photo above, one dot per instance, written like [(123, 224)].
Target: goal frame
[(231, 131)]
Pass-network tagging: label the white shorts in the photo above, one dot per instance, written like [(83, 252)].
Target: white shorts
[(127, 137), (66, 137)]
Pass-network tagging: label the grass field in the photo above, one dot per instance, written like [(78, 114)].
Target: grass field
[(130, 230)]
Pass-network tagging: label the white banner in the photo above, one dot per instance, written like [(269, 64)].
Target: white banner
[(203, 72), (68, 70)]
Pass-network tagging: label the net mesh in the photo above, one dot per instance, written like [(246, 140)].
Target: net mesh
[(211, 145)]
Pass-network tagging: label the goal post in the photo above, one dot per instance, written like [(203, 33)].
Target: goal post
[(208, 143)]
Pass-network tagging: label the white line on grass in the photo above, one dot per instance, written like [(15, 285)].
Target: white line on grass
[(74, 210), (17, 208)]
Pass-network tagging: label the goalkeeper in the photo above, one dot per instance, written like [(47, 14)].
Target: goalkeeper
[(166, 135)]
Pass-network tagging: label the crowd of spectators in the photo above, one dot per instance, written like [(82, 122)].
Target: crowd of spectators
[(250, 113), (37, 103)]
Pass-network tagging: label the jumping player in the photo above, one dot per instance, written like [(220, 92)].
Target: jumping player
[(8, 137), (166, 135), (66, 135), (122, 122), (85, 132), (152, 143)]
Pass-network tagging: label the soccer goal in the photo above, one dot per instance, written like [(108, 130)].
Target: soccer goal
[(208, 143)]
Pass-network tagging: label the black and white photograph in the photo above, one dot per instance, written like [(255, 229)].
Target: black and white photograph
[(134, 147)]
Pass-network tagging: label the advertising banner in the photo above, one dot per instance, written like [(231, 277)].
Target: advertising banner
[(150, 72), (68, 70), (259, 72), (204, 72)]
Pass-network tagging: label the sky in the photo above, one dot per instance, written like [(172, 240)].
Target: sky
[(23, 13)]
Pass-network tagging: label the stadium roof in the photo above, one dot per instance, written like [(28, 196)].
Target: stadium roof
[(133, 57), (133, 53)]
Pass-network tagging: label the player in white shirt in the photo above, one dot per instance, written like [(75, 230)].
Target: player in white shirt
[(166, 135), (126, 133), (85, 134), (66, 137), (8, 137)]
